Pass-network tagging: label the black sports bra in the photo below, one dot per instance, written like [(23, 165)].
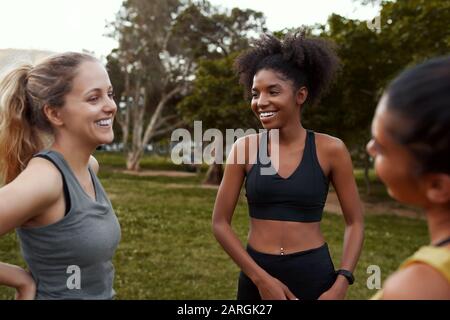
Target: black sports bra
[(300, 197)]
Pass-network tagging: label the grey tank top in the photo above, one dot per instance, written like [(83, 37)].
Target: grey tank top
[(72, 258)]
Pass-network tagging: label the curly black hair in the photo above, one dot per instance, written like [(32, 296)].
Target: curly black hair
[(310, 62)]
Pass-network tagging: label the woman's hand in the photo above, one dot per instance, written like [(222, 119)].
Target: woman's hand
[(273, 289), (337, 291), (15, 277), (26, 290)]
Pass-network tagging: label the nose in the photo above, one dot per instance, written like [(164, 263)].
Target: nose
[(262, 100), (370, 148), (110, 106)]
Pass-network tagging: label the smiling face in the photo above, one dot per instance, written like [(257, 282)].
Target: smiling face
[(89, 108), (274, 101), (394, 164)]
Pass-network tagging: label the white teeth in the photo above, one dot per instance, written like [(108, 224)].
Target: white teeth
[(266, 114), (104, 122)]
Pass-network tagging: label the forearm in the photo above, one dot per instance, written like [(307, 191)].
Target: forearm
[(13, 276), (353, 241), (233, 247)]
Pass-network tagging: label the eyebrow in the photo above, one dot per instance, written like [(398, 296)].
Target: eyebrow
[(97, 90), (272, 86)]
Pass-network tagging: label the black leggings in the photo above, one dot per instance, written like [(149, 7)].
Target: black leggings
[(306, 273)]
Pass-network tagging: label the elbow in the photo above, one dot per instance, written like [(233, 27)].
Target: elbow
[(356, 224), (218, 226), (355, 218)]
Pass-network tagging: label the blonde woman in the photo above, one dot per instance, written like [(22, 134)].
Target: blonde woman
[(66, 225)]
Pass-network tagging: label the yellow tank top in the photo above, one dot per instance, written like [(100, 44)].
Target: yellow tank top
[(436, 257)]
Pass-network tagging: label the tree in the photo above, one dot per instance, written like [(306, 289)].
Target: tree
[(212, 33), (159, 45), (217, 101), (413, 31), (348, 108), (153, 71), (217, 98), (370, 60)]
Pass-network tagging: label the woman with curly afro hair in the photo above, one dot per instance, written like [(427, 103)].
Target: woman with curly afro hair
[(287, 171)]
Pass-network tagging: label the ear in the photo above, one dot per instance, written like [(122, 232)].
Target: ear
[(301, 96), (437, 188), (53, 115)]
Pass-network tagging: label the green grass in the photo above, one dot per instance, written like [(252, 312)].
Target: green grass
[(378, 191), (167, 249), (154, 162)]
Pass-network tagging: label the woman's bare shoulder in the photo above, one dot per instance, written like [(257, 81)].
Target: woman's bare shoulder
[(329, 143), (246, 148), (331, 149), (94, 164), (418, 281), (44, 172)]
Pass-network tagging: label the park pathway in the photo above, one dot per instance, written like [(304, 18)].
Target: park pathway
[(385, 207)]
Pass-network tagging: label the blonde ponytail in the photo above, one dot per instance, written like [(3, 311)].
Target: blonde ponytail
[(19, 138)]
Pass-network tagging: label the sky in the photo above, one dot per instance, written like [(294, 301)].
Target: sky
[(63, 25)]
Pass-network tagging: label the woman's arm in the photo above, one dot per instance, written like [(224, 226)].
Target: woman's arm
[(341, 174), (15, 277), (34, 190), (227, 197)]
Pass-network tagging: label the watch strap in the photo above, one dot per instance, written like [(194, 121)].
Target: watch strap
[(347, 274)]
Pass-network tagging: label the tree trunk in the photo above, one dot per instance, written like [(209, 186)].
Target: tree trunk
[(140, 140), (134, 159), (214, 174), (124, 119)]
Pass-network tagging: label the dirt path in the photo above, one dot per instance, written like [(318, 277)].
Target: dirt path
[(387, 207), (156, 173)]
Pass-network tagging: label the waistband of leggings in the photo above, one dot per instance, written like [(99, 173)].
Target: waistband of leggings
[(250, 250)]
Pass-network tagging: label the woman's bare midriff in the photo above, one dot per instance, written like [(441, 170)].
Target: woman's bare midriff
[(284, 237)]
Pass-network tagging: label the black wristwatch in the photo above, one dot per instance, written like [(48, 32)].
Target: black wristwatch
[(347, 274)]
